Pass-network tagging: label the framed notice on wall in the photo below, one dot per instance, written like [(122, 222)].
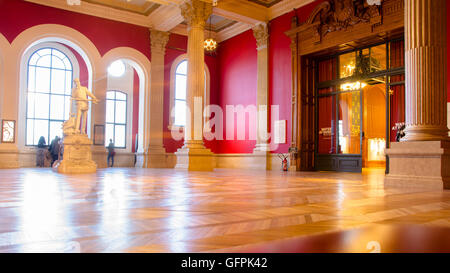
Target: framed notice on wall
[(280, 132), (8, 131), (99, 134)]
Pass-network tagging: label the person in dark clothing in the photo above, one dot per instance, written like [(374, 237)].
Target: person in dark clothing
[(54, 149), (40, 153), (111, 153)]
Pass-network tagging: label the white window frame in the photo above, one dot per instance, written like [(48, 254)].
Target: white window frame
[(23, 82), (173, 70)]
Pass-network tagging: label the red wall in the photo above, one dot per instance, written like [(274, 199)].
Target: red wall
[(237, 83), (177, 46), (238, 75)]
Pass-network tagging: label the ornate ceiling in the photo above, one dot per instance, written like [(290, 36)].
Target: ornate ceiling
[(230, 17)]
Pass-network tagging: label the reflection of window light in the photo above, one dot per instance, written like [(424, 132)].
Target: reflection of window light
[(376, 149), (342, 139), (352, 86), (117, 69)]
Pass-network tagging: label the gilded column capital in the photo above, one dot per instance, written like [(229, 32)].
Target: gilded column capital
[(158, 40), (261, 33), (196, 12)]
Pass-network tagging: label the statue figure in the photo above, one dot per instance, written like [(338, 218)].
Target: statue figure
[(69, 125), (80, 95)]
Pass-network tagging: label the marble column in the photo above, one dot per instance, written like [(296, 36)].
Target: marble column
[(423, 156), (261, 151), (193, 155), (156, 153)]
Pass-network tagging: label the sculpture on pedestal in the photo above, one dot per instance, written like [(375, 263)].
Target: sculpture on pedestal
[(77, 157)]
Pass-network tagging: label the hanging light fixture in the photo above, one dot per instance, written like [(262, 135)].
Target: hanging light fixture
[(210, 44)]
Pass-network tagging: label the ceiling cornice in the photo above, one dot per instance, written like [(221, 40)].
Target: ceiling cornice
[(167, 17), (98, 11)]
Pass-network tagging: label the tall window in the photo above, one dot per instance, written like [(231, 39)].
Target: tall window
[(49, 86), (116, 118), (180, 94)]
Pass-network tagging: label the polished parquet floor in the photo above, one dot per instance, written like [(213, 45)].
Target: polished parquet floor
[(165, 210)]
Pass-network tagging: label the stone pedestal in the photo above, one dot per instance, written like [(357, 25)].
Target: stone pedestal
[(419, 164), (77, 157), (195, 159)]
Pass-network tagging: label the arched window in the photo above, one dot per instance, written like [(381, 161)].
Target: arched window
[(116, 118), (179, 89), (180, 94), (49, 87)]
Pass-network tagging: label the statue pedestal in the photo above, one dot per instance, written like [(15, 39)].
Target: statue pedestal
[(77, 156)]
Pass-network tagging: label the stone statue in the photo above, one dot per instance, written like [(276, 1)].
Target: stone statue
[(80, 94), (77, 156)]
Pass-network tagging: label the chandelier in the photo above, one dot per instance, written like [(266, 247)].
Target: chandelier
[(210, 44)]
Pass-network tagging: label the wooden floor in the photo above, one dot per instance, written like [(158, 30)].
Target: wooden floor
[(156, 210)]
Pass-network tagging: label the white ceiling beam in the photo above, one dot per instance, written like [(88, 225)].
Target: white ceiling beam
[(165, 18), (241, 11)]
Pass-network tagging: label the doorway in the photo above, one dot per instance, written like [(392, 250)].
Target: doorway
[(353, 113)]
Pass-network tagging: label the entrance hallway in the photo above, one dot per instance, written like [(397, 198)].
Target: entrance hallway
[(157, 210)]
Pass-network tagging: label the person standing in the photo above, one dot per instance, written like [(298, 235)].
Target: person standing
[(54, 150), (111, 153), (40, 154)]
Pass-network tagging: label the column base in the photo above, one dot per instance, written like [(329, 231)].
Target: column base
[(77, 158), (421, 164), (195, 159), (262, 158), (156, 157)]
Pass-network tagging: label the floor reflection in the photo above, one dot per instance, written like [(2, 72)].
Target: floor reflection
[(160, 210)]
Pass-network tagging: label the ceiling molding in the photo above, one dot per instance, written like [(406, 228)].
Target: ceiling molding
[(232, 31), (165, 18), (98, 11), (181, 29), (241, 11), (285, 7)]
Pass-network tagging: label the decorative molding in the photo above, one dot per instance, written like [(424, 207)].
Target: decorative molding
[(168, 17), (98, 11), (286, 6), (261, 33), (232, 31), (181, 29), (196, 12), (165, 18), (158, 40), (337, 15)]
